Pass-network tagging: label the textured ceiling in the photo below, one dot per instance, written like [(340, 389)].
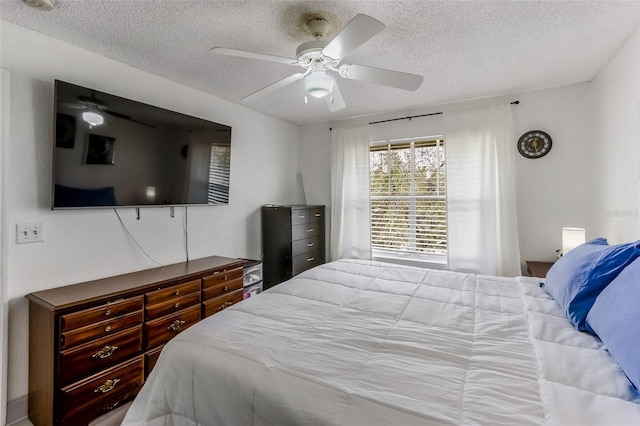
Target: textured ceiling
[(464, 49)]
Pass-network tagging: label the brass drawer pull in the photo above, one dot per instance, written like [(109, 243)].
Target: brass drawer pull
[(107, 312), (176, 305), (310, 259), (225, 305), (107, 386), (175, 326), (226, 288), (112, 406), (177, 293), (310, 245), (105, 352), (107, 328)]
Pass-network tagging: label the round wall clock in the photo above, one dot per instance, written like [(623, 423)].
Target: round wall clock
[(534, 144)]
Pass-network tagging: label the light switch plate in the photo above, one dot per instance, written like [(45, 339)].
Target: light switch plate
[(29, 232)]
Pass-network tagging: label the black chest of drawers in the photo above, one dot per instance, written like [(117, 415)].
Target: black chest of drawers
[(293, 240)]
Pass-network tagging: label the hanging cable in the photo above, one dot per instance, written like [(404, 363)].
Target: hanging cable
[(134, 239)]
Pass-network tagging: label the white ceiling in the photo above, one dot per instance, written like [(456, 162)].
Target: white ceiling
[(464, 49)]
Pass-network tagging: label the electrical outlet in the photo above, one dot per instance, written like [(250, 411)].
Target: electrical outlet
[(29, 232)]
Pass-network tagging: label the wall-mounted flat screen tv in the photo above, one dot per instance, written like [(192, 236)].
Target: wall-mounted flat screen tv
[(115, 152)]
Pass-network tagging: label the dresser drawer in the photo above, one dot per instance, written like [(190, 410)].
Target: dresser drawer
[(218, 304), (305, 261), (220, 289), (100, 313), (307, 245), (150, 359), (171, 293), (90, 358), (221, 277), (299, 216), (101, 392), (316, 214), (161, 330), (174, 305), (299, 232), (88, 341), (100, 329)]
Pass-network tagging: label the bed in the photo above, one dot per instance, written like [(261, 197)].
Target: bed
[(356, 342)]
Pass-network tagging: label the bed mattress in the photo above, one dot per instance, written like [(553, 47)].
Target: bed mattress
[(358, 342)]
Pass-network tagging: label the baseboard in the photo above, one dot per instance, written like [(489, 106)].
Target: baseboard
[(17, 409)]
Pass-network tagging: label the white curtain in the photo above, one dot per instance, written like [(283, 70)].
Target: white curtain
[(350, 216), (481, 203)]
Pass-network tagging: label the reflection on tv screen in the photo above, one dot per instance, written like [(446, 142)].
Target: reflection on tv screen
[(115, 152)]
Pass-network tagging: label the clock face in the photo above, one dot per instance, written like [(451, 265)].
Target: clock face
[(534, 144)]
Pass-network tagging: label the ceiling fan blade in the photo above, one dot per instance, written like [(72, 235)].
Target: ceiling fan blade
[(335, 101), (400, 80), (126, 117), (117, 114), (273, 87), (360, 29), (74, 105), (252, 55)]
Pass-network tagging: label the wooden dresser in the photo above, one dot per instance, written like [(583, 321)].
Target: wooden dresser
[(91, 345), (293, 240)]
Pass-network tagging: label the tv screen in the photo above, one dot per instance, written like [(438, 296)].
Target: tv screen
[(115, 152)]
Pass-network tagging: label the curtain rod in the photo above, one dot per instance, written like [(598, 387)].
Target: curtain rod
[(421, 115), (416, 116)]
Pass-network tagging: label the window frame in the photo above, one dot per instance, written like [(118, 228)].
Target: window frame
[(432, 260)]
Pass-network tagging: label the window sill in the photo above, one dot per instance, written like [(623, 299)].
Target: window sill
[(432, 262)]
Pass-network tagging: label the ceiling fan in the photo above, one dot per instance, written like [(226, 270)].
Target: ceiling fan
[(94, 107), (318, 57)]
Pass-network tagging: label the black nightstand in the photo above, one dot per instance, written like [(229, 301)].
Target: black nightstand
[(538, 269)]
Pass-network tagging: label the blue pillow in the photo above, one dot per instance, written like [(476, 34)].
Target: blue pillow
[(578, 277), (615, 318)]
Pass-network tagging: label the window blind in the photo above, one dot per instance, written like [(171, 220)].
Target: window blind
[(408, 202), (219, 164)]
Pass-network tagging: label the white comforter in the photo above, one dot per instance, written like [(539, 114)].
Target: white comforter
[(367, 343)]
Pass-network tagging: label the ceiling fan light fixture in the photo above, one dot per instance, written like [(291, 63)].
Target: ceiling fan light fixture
[(318, 84), (93, 118)]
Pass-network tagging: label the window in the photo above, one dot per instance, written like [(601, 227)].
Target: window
[(219, 164), (408, 203)]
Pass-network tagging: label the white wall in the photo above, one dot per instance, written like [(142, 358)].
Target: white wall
[(553, 191), (314, 162), (616, 146), (90, 244)]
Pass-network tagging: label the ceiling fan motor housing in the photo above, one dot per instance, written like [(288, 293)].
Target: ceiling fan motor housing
[(318, 57), (318, 27), (310, 50)]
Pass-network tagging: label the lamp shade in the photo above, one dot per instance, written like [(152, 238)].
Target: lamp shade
[(318, 84), (571, 238), (93, 118)]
